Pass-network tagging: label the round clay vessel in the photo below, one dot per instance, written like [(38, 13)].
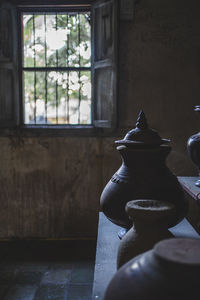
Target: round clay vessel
[(151, 219), (193, 148), (170, 271), (142, 175)]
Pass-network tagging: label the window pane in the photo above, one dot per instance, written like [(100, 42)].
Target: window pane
[(62, 33), (57, 97), (28, 41), (51, 94), (85, 105), (85, 37), (34, 94), (39, 23), (74, 88), (57, 40), (29, 97), (40, 97), (73, 36), (63, 98), (52, 40), (34, 40)]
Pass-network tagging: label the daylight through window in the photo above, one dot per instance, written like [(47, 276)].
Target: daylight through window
[(57, 68)]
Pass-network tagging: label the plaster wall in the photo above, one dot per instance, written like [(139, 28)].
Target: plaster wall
[(160, 72), (50, 187)]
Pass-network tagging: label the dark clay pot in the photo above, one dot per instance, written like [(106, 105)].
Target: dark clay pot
[(151, 219), (193, 148), (142, 175), (170, 271)]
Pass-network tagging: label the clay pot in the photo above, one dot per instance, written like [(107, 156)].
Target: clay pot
[(151, 219), (170, 271), (193, 148), (142, 175)]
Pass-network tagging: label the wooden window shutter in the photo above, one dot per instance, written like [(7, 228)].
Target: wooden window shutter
[(104, 63), (9, 86)]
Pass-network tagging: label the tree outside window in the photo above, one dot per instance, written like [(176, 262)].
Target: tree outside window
[(56, 68)]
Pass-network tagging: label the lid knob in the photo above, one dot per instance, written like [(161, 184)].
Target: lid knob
[(142, 135), (142, 121)]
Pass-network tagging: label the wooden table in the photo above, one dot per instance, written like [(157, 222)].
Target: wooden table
[(107, 246), (192, 194), (188, 184)]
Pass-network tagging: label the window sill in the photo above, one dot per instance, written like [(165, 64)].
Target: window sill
[(55, 131)]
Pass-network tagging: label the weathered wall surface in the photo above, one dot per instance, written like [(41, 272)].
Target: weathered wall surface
[(50, 187), (159, 72)]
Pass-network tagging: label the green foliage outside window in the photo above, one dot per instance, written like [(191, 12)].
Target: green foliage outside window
[(57, 41)]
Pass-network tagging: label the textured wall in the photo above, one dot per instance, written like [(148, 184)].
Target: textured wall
[(50, 187), (160, 72)]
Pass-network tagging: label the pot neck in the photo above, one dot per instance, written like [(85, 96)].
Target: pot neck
[(146, 155)]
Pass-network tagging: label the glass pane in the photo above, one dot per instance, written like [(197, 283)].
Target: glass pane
[(74, 87), (71, 104), (85, 38), (57, 40), (73, 43), (62, 33), (53, 40), (63, 98), (29, 99), (34, 40), (85, 92), (74, 33), (51, 97), (28, 40), (40, 98), (40, 35), (34, 94)]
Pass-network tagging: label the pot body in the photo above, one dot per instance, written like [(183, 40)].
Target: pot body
[(148, 276), (142, 175), (139, 239), (193, 147)]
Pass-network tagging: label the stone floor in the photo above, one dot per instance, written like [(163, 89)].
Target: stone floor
[(52, 270)]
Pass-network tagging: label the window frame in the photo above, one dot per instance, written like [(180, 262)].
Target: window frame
[(40, 128), (22, 130)]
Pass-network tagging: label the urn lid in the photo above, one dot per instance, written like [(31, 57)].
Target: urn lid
[(142, 135)]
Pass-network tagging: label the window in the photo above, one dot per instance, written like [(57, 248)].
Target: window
[(57, 67), (50, 77)]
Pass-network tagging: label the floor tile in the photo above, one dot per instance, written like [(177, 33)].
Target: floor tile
[(21, 292), (80, 292), (34, 266), (51, 292), (47, 271), (83, 272), (56, 276), (28, 277), (66, 265)]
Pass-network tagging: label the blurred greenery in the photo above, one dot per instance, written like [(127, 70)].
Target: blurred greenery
[(57, 40)]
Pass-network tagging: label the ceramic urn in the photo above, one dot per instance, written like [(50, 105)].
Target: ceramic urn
[(142, 175), (151, 219)]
